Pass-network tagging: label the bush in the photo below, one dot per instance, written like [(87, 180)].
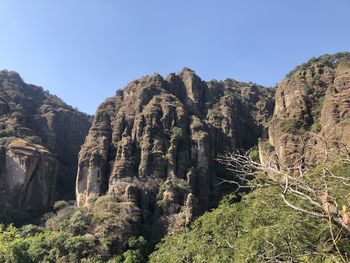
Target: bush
[(177, 133), (269, 147), (78, 246), (258, 228), (317, 107), (60, 205), (136, 253), (254, 154), (196, 123), (77, 223), (291, 125), (316, 127)]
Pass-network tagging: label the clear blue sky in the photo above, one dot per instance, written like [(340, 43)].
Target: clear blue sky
[(83, 50)]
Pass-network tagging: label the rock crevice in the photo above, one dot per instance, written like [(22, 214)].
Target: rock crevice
[(40, 137), (155, 143)]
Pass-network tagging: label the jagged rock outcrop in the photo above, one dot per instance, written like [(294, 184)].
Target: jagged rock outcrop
[(40, 137), (312, 109), (154, 144)]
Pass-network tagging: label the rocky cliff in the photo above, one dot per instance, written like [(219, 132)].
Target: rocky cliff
[(153, 145), (312, 112), (40, 137)]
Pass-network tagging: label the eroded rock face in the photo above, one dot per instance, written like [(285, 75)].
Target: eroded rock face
[(312, 108), (30, 171), (155, 142), (40, 137)]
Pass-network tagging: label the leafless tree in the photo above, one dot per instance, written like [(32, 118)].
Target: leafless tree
[(319, 191)]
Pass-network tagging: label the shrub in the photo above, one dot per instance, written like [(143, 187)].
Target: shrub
[(196, 123), (177, 133), (60, 205), (316, 127), (254, 154), (136, 253), (269, 147), (317, 107), (255, 229), (78, 222), (291, 125)]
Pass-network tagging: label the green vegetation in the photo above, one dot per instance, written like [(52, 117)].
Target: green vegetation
[(177, 134), (265, 222), (269, 225), (291, 125), (254, 154), (30, 113), (136, 253), (178, 186), (31, 244), (6, 140), (269, 147), (196, 122), (316, 127), (327, 60), (76, 235), (317, 107), (257, 229)]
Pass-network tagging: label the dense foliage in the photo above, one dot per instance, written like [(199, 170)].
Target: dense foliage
[(327, 60), (260, 228), (32, 244), (92, 234)]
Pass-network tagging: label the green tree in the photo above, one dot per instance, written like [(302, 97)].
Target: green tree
[(259, 228)]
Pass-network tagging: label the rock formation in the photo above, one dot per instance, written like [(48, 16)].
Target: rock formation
[(312, 109), (147, 166), (40, 137), (154, 144)]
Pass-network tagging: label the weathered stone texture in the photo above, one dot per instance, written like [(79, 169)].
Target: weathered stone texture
[(40, 137), (155, 142), (312, 107)]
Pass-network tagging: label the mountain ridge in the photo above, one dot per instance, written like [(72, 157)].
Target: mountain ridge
[(40, 138), (148, 168), (154, 145)]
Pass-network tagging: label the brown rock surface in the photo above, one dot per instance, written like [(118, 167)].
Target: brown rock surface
[(155, 142), (312, 105), (40, 137)]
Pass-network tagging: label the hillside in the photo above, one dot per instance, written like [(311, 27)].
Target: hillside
[(40, 137), (153, 146), (293, 219), (152, 182), (312, 105)]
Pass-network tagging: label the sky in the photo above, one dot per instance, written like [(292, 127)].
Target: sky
[(84, 50)]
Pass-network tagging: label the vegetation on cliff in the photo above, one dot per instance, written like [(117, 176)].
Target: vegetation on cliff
[(150, 167), (285, 219), (258, 228), (40, 137)]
